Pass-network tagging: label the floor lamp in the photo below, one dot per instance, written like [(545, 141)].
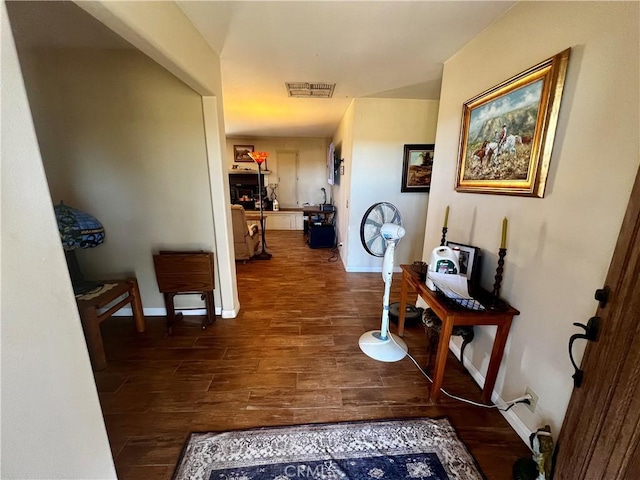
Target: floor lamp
[(260, 158)]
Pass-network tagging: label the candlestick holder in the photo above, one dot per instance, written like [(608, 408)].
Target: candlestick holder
[(496, 303), (443, 240)]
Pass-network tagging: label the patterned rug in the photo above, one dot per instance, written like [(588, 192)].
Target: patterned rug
[(427, 449)]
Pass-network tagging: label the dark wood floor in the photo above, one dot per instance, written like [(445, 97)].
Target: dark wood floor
[(290, 357)]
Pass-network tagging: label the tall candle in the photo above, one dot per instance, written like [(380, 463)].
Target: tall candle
[(446, 217), (503, 244)]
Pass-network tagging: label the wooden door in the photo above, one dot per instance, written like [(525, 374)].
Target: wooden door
[(601, 431), (287, 178)]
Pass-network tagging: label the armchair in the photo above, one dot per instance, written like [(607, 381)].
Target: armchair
[(245, 238)]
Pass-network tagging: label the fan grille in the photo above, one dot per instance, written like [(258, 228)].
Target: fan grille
[(376, 216)]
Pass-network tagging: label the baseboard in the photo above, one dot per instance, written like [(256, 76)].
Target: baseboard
[(363, 269), (518, 425), (161, 312), (228, 313), (369, 269)]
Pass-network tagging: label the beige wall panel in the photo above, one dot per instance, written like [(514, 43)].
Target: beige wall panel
[(123, 139), (559, 247)]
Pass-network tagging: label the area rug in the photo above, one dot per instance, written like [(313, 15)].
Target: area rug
[(423, 448)]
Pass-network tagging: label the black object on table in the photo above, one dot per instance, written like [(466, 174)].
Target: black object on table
[(320, 226)]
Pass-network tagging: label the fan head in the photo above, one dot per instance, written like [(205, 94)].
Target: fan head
[(372, 234)]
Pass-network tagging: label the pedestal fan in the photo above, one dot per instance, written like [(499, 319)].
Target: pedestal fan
[(380, 231)]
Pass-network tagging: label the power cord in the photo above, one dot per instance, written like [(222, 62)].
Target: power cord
[(524, 399), (335, 251)]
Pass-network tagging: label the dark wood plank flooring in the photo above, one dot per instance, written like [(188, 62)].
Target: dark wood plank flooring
[(290, 357)]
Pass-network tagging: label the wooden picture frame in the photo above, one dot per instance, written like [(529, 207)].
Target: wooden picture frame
[(241, 153), (416, 167), (469, 261), (507, 132)]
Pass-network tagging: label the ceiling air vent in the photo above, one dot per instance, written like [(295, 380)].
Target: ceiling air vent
[(310, 90)]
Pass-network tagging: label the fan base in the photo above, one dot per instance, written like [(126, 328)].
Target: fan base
[(386, 350)]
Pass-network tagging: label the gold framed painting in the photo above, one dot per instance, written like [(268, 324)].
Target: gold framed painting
[(507, 132)]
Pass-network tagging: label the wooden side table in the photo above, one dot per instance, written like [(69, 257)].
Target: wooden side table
[(181, 273), (91, 319), (455, 315)]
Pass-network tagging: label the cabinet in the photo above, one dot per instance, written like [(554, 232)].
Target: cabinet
[(243, 188), (280, 220)]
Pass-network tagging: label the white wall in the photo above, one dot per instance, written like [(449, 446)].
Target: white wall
[(122, 139), (162, 31), (312, 162), (343, 143), (52, 426), (381, 128), (559, 247)]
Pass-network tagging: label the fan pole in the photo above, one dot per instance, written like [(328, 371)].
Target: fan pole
[(387, 278)]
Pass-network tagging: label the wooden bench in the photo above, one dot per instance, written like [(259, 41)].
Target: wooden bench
[(89, 305)]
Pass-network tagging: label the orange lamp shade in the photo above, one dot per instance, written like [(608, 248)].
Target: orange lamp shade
[(259, 157)]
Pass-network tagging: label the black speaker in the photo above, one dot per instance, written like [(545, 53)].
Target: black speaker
[(322, 236)]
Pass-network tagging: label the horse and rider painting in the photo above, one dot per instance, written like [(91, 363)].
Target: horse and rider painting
[(496, 129), (505, 129)]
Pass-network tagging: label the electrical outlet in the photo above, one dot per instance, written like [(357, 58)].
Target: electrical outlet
[(340, 244), (533, 402)]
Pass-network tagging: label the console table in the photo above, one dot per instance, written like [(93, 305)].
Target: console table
[(326, 213), (89, 304), (451, 315)]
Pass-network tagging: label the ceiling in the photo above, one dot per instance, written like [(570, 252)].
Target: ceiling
[(382, 49), (391, 49)]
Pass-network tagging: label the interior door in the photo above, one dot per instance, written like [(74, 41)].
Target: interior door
[(600, 435), (287, 178)]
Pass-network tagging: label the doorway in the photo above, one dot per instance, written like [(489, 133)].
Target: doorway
[(287, 162)]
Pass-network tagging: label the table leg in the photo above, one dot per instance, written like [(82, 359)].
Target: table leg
[(171, 310), (211, 307), (136, 305), (404, 291), (441, 358), (93, 337), (496, 358)]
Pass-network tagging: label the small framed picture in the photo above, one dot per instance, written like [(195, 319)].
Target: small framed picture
[(416, 168), (469, 261), (241, 153)]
